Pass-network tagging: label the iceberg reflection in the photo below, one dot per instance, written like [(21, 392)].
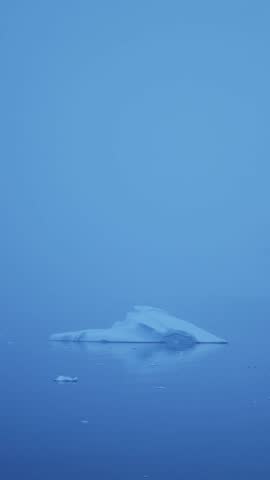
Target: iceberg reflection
[(141, 356)]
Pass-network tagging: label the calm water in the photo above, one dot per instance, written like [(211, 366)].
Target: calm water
[(151, 413)]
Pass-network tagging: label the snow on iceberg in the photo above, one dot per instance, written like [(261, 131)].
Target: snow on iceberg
[(145, 325)]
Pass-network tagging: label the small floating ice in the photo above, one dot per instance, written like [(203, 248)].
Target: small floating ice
[(84, 421), (64, 379)]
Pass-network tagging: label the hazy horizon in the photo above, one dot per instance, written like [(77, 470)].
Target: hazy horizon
[(135, 157)]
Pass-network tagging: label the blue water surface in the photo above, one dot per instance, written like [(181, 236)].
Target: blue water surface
[(140, 411)]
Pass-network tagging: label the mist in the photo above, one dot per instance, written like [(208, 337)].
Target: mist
[(135, 160)]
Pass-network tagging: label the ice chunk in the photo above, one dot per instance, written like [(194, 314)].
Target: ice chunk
[(144, 325), (63, 379)]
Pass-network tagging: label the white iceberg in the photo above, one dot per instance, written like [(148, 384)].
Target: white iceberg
[(64, 379), (145, 325)]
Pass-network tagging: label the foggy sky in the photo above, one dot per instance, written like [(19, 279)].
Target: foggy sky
[(135, 154)]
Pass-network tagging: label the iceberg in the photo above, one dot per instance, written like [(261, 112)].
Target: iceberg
[(145, 324), (64, 379)]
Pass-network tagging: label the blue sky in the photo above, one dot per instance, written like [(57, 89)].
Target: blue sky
[(135, 152)]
